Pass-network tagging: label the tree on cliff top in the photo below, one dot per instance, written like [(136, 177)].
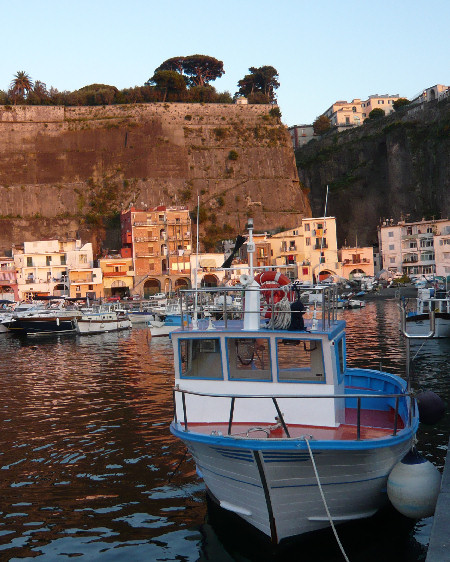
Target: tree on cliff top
[(197, 70), (168, 81), (321, 125), (259, 85), (21, 85), (401, 102), (376, 113)]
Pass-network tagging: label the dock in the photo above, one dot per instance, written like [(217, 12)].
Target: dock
[(439, 547)]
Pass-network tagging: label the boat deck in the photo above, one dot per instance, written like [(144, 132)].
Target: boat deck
[(373, 425)]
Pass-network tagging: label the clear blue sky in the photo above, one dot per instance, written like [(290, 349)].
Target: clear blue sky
[(324, 50)]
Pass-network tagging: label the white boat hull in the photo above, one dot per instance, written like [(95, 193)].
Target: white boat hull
[(420, 326), (354, 483), (99, 326)]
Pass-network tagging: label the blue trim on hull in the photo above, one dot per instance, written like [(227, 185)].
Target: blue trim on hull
[(283, 445)]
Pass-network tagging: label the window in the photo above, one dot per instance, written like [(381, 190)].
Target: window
[(91, 287), (391, 260), (391, 234), (308, 241), (249, 359), (300, 360), (429, 229), (29, 262), (347, 120), (83, 258), (341, 358), (63, 259), (307, 227), (413, 244), (200, 358), (391, 246)]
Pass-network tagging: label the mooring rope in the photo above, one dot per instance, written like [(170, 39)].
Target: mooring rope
[(324, 500)]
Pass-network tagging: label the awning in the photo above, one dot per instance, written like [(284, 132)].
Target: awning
[(208, 263)]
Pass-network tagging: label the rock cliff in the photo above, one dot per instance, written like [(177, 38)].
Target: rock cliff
[(397, 167), (70, 168)]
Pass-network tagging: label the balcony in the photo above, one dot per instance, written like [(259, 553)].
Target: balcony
[(147, 254), (114, 273), (320, 246)]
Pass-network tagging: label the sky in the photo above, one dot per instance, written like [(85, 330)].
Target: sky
[(323, 50)]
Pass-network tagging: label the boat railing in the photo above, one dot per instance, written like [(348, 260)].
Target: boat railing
[(407, 420), (222, 302)]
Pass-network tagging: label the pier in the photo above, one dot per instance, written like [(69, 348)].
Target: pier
[(438, 549)]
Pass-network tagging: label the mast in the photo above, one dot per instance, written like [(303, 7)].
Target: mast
[(194, 317), (323, 231)]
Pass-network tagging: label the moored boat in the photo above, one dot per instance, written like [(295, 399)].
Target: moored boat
[(103, 319), (417, 321), (272, 415), (56, 317)]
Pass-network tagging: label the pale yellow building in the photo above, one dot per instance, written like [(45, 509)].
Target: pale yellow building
[(85, 282), (118, 276), (356, 261)]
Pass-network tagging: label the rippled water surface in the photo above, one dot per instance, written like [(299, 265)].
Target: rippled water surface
[(90, 469)]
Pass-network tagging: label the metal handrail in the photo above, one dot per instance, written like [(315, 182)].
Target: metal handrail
[(328, 301), (280, 416)]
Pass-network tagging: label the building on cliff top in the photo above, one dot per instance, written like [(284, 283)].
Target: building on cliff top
[(415, 248), (159, 241), (343, 114)]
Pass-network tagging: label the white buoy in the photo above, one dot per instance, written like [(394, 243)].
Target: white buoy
[(413, 486)]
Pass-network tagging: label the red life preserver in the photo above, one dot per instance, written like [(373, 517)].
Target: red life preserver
[(275, 276), (272, 280)]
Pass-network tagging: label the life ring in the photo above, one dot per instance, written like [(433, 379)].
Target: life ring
[(275, 276), (271, 280)]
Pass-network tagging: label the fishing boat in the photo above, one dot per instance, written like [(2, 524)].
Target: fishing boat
[(428, 299), (284, 434), (103, 319)]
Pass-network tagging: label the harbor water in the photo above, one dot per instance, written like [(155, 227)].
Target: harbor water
[(89, 468)]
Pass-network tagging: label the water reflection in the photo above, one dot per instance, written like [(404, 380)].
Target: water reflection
[(89, 467)]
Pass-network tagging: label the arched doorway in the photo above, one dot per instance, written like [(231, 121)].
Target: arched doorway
[(356, 274), (182, 283), (324, 274), (209, 280), (151, 287), (432, 94)]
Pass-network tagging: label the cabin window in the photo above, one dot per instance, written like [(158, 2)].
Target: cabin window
[(249, 359), (340, 350), (200, 358), (300, 360)]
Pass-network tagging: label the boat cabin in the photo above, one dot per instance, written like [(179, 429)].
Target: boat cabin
[(263, 363)]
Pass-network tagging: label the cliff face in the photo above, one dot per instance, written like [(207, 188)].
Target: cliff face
[(396, 167), (81, 164)]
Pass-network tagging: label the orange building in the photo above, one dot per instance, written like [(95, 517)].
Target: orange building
[(159, 241)]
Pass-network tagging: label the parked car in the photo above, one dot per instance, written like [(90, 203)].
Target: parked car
[(159, 296), (113, 298)]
